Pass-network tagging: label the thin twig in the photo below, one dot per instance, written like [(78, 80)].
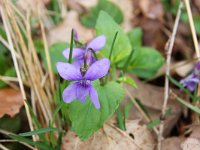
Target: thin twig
[(16, 68), (169, 48)]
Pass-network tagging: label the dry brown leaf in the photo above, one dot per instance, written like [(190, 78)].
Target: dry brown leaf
[(142, 136), (62, 32), (10, 102), (151, 97), (197, 4), (87, 3), (126, 6), (184, 69), (190, 144), (152, 9), (172, 143), (149, 15), (110, 137)]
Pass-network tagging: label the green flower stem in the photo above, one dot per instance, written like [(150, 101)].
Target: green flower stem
[(71, 46), (113, 42)]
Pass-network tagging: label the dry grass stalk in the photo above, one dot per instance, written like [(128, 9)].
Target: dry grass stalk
[(17, 69), (31, 68), (48, 59), (26, 56)]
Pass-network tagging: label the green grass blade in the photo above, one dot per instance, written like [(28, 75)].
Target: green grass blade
[(175, 82), (39, 131), (71, 47), (153, 123), (39, 145), (194, 108), (36, 122), (113, 43)]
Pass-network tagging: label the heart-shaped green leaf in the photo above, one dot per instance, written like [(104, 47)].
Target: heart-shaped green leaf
[(85, 118), (107, 26)]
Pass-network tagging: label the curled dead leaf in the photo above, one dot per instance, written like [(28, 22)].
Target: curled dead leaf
[(10, 102), (111, 137)]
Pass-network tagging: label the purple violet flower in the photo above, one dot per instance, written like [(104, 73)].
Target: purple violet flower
[(82, 85), (191, 80), (79, 53)]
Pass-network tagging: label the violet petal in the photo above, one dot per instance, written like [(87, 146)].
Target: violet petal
[(98, 69), (94, 97), (97, 43), (82, 91), (77, 52), (190, 81), (191, 86), (69, 93), (68, 71), (78, 63)]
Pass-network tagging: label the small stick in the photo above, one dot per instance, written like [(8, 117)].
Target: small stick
[(169, 48)]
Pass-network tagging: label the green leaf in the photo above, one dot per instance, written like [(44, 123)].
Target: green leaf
[(56, 55), (194, 108), (145, 62), (89, 20), (153, 123), (107, 26), (86, 119), (39, 131), (135, 37), (39, 145), (127, 80)]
